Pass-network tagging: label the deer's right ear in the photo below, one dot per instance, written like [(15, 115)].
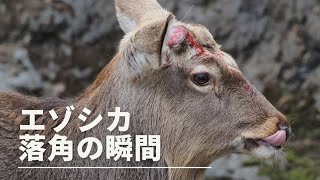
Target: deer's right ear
[(133, 13)]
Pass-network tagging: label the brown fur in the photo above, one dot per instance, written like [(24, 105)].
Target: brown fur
[(154, 83)]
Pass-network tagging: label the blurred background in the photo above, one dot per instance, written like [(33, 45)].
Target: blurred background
[(57, 47)]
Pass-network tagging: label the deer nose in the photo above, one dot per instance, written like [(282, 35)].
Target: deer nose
[(287, 130), (284, 125)]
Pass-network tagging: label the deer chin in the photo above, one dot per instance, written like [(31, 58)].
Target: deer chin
[(269, 148), (270, 154)]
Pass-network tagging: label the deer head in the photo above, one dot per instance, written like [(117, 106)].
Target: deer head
[(208, 108)]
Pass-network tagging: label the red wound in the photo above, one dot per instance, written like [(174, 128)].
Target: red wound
[(179, 34), (191, 41), (246, 87)]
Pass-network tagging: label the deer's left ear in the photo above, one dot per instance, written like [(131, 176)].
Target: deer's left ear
[(147, 47)]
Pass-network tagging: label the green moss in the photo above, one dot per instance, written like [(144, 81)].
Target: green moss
[(301, 112), (297, 168), (251, 162)]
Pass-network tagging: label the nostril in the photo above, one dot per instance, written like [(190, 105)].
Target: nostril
[(284, 125), (287, 130)]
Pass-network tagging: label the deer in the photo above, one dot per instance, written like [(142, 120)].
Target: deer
[(175, 81)]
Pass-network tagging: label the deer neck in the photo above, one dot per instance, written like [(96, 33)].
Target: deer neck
[(112, 90)]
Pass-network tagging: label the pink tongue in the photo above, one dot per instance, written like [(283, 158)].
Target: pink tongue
[(277, 139)]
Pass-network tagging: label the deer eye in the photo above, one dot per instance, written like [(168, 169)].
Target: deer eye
[(201, 79)]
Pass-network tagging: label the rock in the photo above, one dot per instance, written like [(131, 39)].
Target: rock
[(231, 167), (85, 20), (17, 69)]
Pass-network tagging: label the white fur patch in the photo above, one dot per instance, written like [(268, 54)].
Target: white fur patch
[(270, 155), (127, 24), (137, 61)]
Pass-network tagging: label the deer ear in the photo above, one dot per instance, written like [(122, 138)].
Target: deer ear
[(147, 47), (133, 13)]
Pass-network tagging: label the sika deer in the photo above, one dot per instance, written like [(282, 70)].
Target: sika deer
[(175, 81)]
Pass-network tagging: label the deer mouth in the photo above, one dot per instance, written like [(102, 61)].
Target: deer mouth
[(274, 141)]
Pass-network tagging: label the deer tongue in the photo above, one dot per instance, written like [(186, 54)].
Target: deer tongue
[(277, 139)]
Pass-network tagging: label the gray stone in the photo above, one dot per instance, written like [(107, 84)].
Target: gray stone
[(232, 167)]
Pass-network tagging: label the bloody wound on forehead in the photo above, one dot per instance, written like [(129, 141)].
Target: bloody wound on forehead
[(180, 34)]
